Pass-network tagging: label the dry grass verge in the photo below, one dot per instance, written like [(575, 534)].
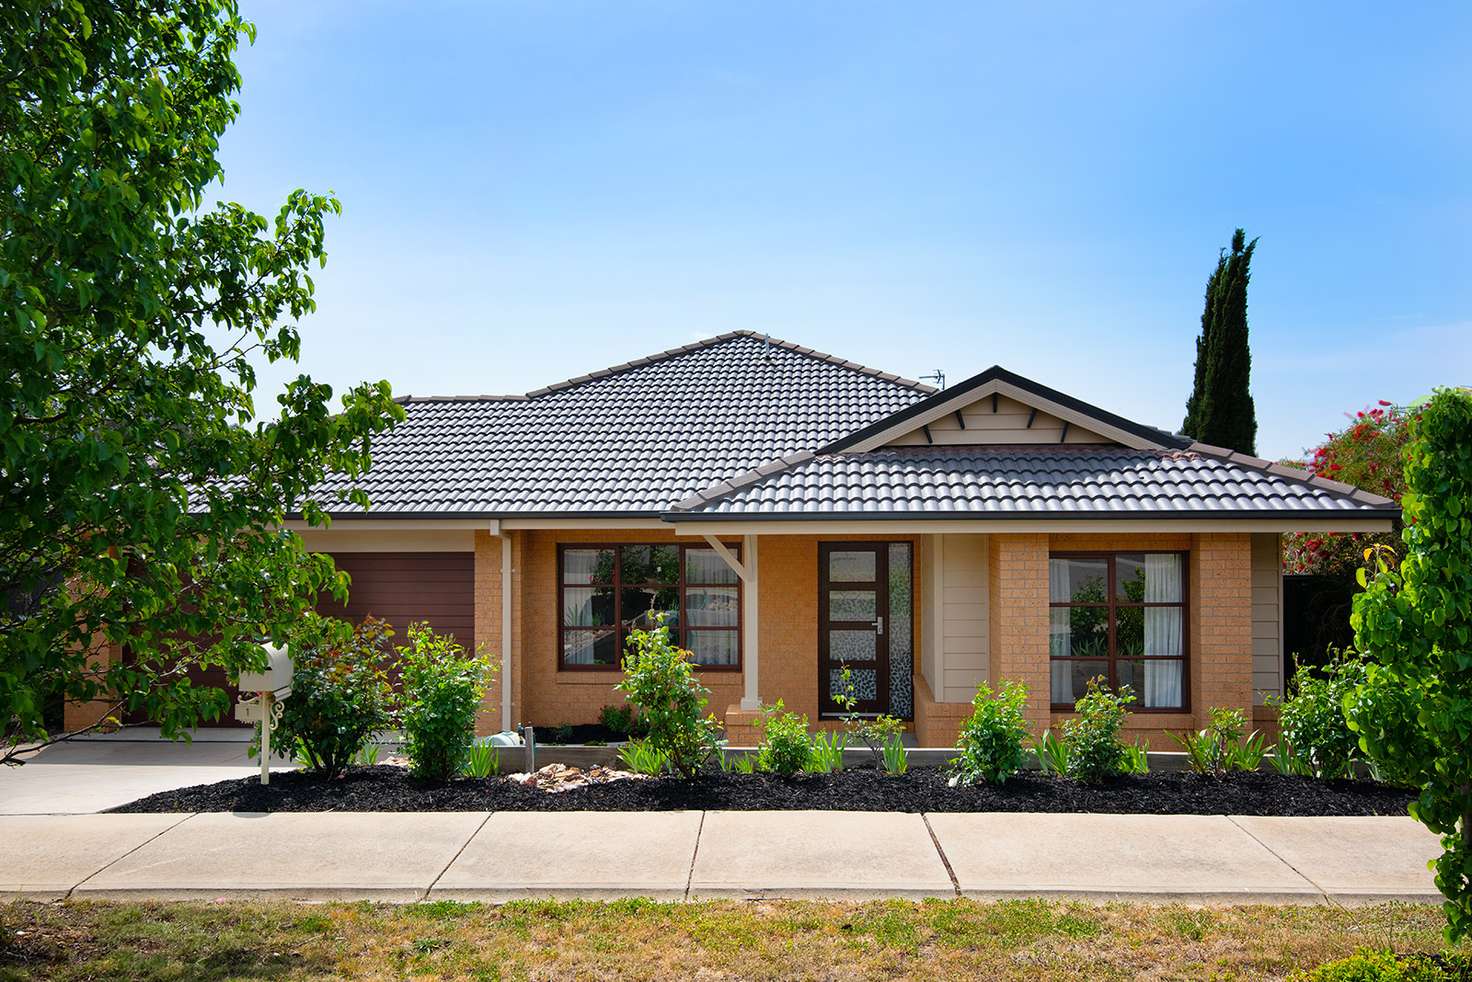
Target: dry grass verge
[(722, 940)]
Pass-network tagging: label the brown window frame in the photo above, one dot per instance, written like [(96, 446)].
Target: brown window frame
[(1112, 604), (681, 587)]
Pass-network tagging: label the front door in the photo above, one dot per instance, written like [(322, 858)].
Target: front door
[(853, 602)]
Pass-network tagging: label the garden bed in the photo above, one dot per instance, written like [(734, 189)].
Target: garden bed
[(385, 788)]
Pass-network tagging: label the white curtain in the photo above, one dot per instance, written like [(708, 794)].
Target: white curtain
[(1163, 632), (1060, 632)]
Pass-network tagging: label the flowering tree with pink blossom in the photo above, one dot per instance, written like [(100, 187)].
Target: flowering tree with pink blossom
[(1368, 454)]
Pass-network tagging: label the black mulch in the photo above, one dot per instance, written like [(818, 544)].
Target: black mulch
[(385, 788)]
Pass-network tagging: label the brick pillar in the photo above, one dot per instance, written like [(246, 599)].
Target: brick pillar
[(1220, 658), (488, 625), (1018, 574)]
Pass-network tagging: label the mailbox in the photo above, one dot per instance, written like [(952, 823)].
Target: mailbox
[(260, 699), (275, 679)]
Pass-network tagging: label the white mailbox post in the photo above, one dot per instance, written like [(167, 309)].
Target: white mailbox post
[(264, 705)]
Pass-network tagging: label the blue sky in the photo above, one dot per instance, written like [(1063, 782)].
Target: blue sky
[(535, 190)]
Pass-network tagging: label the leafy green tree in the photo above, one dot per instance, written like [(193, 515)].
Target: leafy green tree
[(1220, 410), (142, 497), (1413, 712)]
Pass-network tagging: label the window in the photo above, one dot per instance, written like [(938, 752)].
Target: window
[(1121, 616), (605, 592)]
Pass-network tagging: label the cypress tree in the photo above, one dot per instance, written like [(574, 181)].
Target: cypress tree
[(1221, 412), (1203, 344)]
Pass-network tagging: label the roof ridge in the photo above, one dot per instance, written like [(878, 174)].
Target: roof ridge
[(1298, 474), (711, 342), (666, 355)]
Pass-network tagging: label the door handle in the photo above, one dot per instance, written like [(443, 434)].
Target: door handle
[(879, 626)]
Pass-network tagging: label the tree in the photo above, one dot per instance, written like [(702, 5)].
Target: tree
[(1367, 454), (1220, 410), (141, 499), (1203, 345), (1413, 712)]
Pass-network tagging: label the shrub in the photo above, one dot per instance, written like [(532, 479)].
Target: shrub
[(660, 684), (1412, 709), (1219, 747), (990, 744), (877, 732), (340, 694), (785, 747), (441, 693), (641, 758), (621, 720), (1137, 758), (1095, 751), (1383, 966), (1052, 753), (1312, 717), (895, 755), (482, 761), (827, 753)]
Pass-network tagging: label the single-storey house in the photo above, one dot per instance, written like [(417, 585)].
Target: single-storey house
[(791, 513)]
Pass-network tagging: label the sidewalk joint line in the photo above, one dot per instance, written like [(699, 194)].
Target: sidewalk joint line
[(690, 877), (468, 840), (1273, 852), (106, 866), (944, 860)]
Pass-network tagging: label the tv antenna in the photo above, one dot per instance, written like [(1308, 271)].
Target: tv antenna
[(938, 377)]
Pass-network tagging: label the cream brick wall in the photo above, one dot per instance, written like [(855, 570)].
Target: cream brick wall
[(1017, 571), (488, 626), (1220, 621)]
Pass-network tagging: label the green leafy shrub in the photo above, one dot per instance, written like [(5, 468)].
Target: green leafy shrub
[(826, 756), (1285, 760), (482, 761), (1312, 717), (1219, 747), (441, 692), (1412, 710), (660, 684), (621, 720), (1095, 751), (641, 757), (990, 745), (896, 756), (340, 694), (1383, 966), (1052, 754), (1137, 758), (785, 747), (874, 732)]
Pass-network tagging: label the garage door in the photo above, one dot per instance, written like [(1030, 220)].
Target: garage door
[(398, 587), (403, 587)]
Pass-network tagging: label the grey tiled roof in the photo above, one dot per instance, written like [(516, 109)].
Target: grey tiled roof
[(1054, 481), (633, 439)]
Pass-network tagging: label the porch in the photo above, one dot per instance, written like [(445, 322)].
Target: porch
[(920, 617)]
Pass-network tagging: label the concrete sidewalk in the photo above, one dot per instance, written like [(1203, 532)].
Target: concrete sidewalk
[(692, 855)]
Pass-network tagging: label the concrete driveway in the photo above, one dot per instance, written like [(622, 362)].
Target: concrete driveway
[(97, 773)]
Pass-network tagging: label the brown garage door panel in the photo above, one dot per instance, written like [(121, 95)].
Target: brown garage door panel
[(403, 587), (399, 587)]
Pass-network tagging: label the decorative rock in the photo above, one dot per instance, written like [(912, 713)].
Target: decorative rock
[(560, 777)]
